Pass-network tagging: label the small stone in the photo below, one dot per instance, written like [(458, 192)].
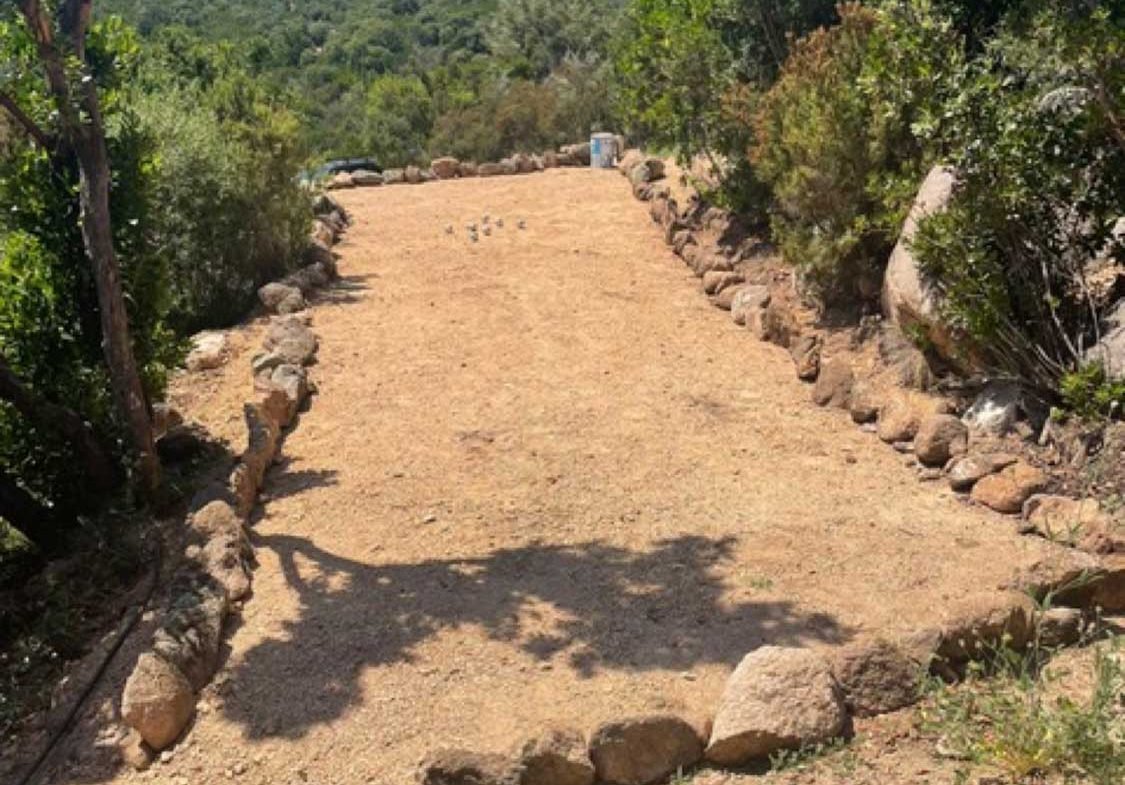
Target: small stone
[(834, 384), (644, 750), (461, 767), (876, 677), (1007, 491), (805, 352), (158, 701), (899, 421), (939, 438), (558, 757), (965, 472)]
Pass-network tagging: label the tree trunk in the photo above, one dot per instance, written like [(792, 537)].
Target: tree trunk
[(97, 464), (30, 518), (97, 234), (82, 128)]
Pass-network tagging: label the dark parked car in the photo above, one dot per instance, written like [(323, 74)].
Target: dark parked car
[(342, 165)]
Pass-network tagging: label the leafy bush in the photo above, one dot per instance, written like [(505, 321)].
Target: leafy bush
[(50, 334), (1037, 132), (845, 135), (226, 211), (1089, 392)]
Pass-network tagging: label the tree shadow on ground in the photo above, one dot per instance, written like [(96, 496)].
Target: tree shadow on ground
[(590, 607)]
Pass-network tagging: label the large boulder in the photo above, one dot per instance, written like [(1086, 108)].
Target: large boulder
[(446, 168), (777, 698), (939, 438), (158, 701), (340, 181), (467, 169), (909, 301), (558, 757), (644, 750), (1007, 491), (490, 170)]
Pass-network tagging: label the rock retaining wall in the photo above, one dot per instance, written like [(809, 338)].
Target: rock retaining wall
[(214, 573)]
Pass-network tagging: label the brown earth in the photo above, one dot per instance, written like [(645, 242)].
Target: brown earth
[(544, 481)]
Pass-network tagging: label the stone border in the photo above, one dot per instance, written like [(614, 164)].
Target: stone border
[(214, 575), (925, 427), (449, 168)]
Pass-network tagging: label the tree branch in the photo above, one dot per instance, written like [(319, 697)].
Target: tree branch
[(30, 126), (49, 416)]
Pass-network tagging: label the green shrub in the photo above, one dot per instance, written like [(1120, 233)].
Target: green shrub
[(845, 135), (1036, 129), (226, 212), (1089, 392)]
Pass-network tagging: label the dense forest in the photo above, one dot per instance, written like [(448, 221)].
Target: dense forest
[(405, 79)]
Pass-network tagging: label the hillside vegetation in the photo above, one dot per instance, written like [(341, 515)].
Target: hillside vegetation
[(405, 79)]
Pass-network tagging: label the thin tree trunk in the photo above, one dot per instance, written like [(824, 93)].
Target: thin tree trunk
[(26, 515), (97, 464), (82, 128)]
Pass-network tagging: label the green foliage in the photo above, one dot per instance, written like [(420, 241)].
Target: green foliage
[(534, 37), (226, 211), (1090, 393), (399, 119), (845, 135), (1036, 131), (402, 80)]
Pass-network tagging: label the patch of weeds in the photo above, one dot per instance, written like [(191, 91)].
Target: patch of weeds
[(1090, 393), (1004, 716), (804, 757)]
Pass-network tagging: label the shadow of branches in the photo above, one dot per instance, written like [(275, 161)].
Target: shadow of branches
[(610, 608)]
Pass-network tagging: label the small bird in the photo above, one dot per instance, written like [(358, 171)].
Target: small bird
[(522, 224), (471, 227), (485, 219), (473, 237), (487, 231), (449, 229), (499, 223)]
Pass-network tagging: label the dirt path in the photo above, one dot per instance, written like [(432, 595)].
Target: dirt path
[(545, 481)]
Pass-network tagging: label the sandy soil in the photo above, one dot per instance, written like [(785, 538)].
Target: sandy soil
[(544, 481)]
